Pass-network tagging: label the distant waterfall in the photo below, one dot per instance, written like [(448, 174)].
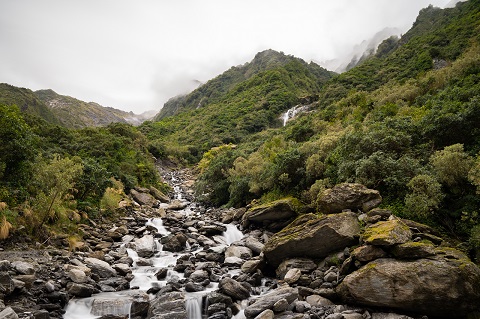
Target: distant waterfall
[(294, 111)]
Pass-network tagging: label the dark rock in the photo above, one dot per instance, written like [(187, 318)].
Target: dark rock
[(161, 273), (193, 287), (268, 300), (100, 267), (233, 289), (283, 209), (81, 290), (368, 253), (348, 196), (315, 238), (413, 250), (304, 264), (169, 305)]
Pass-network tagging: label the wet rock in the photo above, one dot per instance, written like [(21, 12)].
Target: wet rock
[(387, 233), (233, 288), (161, 273), (348, 196), (199, 276), (100, 268), (268, 300), (122, 269), (193, 287), (174, 243), (169, 305), (145, 246), (409, 286), (315, 238), (233, 261), (81, 290)]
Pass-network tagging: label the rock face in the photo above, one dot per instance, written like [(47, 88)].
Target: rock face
[(314, 238), (437, 287), (280, 210), (348, 196)]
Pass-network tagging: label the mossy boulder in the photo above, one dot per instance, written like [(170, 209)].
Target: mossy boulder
[(348, 196), (284, 209), (315, 237), (387, 233), (437, 287)]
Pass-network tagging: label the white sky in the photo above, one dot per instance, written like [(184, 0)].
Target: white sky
[(136, 54)]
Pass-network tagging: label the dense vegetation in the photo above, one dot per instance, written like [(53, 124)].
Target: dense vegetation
[(404, 121), (54, 176)]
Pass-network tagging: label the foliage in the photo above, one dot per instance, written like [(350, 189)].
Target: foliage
[(425, 195), (112, 196), (53, 181)]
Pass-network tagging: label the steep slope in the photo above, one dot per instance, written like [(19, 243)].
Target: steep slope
[(74, 113), (236, 104), (27, 101), (215, 89)]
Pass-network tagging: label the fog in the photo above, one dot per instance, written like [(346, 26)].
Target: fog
[(135, 55)]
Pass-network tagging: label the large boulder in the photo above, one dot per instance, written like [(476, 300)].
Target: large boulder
[(268, 300), (100, 267), (279, 210), (438, 287), (348, 196), (170, 305), (233, 288), (142, 198), (145, 246), (313, 237)]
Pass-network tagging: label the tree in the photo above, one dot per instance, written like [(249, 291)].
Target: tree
[(425, 195), (54, 180), (452, 165)]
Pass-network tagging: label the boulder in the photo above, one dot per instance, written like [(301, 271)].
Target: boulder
[(304, 264), (413, 250), (254, 244), (8, 313), (266, 314), (268, 300), (174, 243), (315, 238), (145, 246), (251, 266), (170, 305), (158, 195), (368, 253), (77, 275), (142, 198), (387, 233), (348, 196), (440, 287), (238, 251), (81, 290), (233, 288), (292, 275), (177, 204), (279, 210), (101, 268), (23, 267)]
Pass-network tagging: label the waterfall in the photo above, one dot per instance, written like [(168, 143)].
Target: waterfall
[(158, 224), (193, 305), (232, 234), (294, 111)]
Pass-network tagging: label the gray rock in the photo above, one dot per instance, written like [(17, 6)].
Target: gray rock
[(8, 313), (81, 290), (158, 195), (193, 287), (170, 305), (304, 264), (233, 288), (145, 246), (77, 275), (266, 314), (409, 286), (312, 236), (368, 253), (23, 268), (387, 233), (254, 244), (251, 266), (385, 315), (280, 210), (318, 301), (142, 198), (199, 275), (267, 301), (280, 305), (413, 250), (7, 285), (348, 196), (238, 251), (292, 275), (122, 269), (100, 267), (177, 205), (233, 261)]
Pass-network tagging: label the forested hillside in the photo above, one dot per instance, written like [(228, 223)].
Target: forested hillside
[(405, 122)]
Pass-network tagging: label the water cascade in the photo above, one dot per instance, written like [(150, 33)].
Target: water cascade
[(294, 111)]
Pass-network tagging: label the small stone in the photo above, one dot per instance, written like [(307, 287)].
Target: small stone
[(292, 275), (280, 305)]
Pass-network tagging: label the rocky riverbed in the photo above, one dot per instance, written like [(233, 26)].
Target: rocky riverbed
[(170, 257)]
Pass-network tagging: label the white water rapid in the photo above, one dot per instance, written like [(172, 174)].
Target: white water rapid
[(144, 271)]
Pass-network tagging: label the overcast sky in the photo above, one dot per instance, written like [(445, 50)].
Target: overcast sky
[(136, 54)]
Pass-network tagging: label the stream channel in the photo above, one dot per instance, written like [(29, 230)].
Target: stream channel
[(144, 270)]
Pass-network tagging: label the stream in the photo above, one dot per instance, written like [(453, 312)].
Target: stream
[(145, 271)]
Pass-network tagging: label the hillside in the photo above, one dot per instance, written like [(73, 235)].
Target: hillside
[(27, 101), (74, 113), (404, 122), (242, 101)]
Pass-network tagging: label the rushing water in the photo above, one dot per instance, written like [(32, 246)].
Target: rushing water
[(145, 276)]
